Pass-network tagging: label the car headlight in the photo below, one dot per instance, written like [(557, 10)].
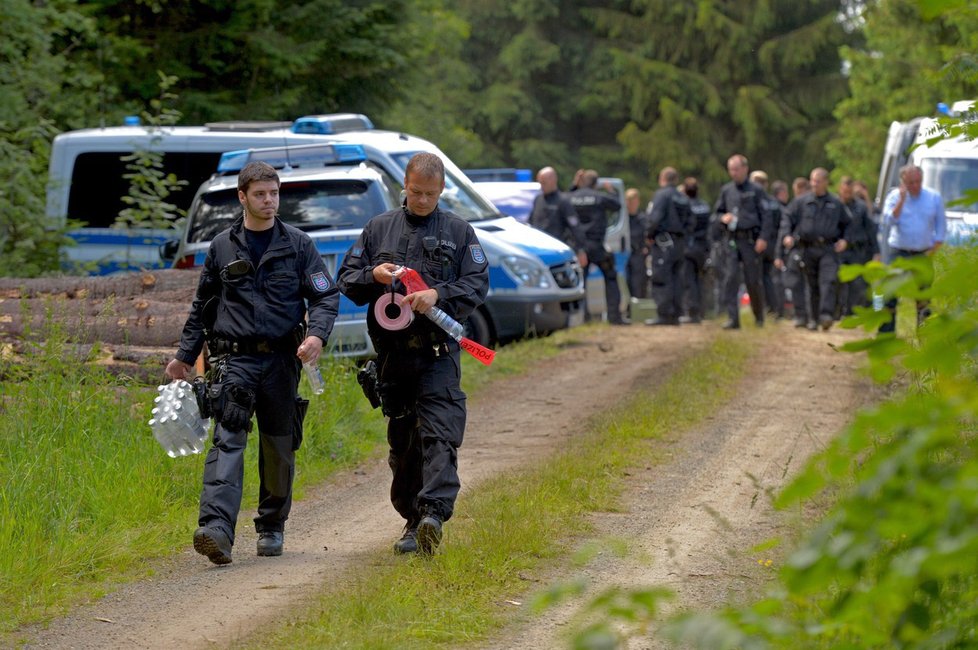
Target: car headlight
[(528, 272)]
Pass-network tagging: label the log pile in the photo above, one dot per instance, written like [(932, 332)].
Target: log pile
[(134, 320)]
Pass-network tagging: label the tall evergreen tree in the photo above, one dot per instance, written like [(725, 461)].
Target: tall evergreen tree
[(628, 87), (912, 59), (47, 82), (260, 59)]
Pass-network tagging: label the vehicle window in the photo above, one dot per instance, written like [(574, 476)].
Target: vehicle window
[(98, 183), (307, 205), (951, 177), (459, 195), (392, 185)]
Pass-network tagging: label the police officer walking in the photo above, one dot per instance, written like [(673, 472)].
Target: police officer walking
[(418, 367), (553, 213), (251, 305), (821, 228), (746, 230), (668, 223), (697, 251), (638, 272), (592, 207), (770, 276), (862, 247)]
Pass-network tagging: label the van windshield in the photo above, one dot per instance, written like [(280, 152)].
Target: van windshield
[(459, 196), (307, 205), (951, 177)]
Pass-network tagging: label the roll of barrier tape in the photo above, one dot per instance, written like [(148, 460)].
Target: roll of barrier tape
[(391, 314)]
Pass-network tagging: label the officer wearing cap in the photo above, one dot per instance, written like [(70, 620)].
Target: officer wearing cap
[(418, 368), (592, 207), (261, 279)]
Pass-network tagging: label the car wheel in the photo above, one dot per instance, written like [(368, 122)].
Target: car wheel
[(477, 329)]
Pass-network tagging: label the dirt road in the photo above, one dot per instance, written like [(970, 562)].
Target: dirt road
[(799, 393)]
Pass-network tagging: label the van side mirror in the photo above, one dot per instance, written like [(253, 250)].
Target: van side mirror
[(168, 249)]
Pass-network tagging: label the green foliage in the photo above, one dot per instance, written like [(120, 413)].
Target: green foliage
[(630, 88), (43, 85), (907, 65), (149, 185), (259, 59), (893, 563)]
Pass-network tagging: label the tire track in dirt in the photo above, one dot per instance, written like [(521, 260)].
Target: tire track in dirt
[(189, 603), (691, 520)]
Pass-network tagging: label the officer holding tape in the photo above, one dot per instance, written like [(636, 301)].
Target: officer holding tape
[(418, 366), (251, 305)]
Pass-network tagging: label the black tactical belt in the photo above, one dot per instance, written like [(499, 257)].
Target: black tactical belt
[(267, 346)]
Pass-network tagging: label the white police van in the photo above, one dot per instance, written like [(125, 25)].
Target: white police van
[(950, 167)]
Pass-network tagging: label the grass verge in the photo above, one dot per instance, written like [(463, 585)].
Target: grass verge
[(512, 526), (88, 499)]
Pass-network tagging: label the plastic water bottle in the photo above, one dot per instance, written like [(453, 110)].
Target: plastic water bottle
[(451, 326), (176, 420), (877, 302), (315, 378)]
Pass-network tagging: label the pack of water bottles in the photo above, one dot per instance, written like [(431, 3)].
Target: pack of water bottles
[(176, 420)]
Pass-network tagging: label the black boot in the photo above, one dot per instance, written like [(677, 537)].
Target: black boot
[(214, 544), (270, 542), (429, 533), (409, 540)]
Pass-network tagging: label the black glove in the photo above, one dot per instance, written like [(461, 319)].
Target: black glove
[(238, 403), (367, 376)]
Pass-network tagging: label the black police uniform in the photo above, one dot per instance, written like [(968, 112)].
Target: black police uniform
[(794, 269), (592, 207), (771, 276), (668, 224), (638, 272), (697, 251), (254, 314), (418, 368), (820, 221), (745, 201), (862, 247), (553, 214)]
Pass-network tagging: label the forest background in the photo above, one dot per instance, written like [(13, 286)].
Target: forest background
[(625, 87)]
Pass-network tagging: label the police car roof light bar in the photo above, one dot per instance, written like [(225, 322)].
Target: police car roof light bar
[(332, 123), (307, 155)]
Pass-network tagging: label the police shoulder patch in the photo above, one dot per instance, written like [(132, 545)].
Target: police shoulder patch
[(320, 281), (356, 251), (478, 256)]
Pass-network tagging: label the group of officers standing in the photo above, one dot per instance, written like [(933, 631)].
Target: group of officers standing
[(786, 254)]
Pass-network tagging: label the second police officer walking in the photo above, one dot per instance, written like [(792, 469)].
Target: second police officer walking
[(667, 226), (819, 233), (697, 252), (745, 228), (418, 368), (592, 207), (260, 279)]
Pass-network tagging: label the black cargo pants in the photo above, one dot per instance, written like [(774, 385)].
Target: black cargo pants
[(421, 394), (274, 378), (740, 254), (821, 275)]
